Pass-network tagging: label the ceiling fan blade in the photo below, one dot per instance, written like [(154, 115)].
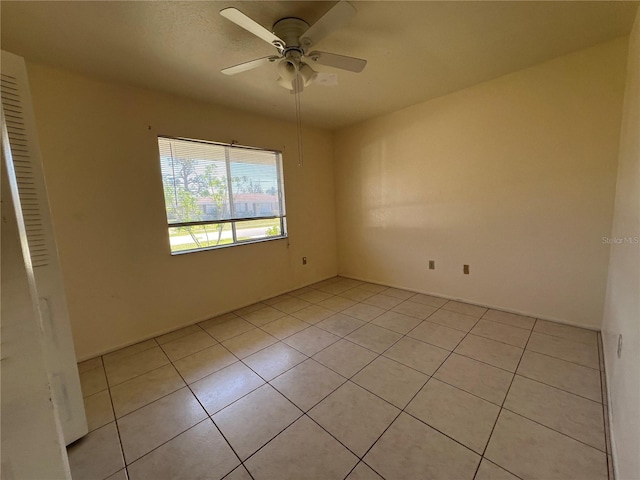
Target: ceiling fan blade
[(338, 61), (339, 15), (243, 67), (240, 19)]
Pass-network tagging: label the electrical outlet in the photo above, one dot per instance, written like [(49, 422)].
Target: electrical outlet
[(465, 269), (432, 265), (304, 260)]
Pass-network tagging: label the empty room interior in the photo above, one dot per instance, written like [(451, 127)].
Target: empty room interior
[(320, 240)]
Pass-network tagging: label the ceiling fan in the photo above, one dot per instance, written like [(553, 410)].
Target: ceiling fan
[(293, 38)]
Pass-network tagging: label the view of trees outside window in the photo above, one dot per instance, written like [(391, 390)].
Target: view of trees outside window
[(217, 195)]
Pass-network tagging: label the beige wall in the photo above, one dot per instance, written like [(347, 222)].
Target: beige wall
[(622, 308), (99, 147), (515, 177)]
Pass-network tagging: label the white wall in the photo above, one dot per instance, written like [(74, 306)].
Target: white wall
[(99, 145), (515, 177), (622, 308)]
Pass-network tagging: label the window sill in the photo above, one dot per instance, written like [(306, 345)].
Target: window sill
[(230, 245)]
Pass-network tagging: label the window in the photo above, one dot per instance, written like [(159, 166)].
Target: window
[(220, 195)]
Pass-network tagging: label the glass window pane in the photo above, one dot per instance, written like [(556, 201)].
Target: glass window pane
[(206, 182), (258, 229), (194, 176), (200, 236), (254, 176)]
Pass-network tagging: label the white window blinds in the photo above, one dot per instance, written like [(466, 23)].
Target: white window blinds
[(236, 192)]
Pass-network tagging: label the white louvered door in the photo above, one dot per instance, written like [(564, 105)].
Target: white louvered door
[(58, 346), (32, 440)]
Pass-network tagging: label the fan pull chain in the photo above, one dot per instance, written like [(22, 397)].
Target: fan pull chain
[(296, 86)]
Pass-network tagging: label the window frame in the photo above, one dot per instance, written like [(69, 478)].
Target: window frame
[(231, 221)]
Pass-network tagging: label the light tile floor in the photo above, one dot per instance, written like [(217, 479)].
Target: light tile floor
[(349, 380)]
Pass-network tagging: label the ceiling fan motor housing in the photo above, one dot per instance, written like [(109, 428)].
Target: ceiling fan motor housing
[(290, 30)]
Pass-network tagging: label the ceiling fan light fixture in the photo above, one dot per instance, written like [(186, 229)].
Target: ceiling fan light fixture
[(283, 82), (308, 74), (287, 69)]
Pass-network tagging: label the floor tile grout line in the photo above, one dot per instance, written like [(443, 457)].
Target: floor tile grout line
[(197, 423), (129, 354), (559, 389), (181, 336), (437, 369), (503, 324), (403, 410), (343, 383), (352, 469), (319, 401), (281, 340), (300, 351), (115, 421), (302, 414), (480, 361), (193, 353), (215, 371), (305, 413), (169, 440), (242, 467), (111, 387), (564, 434), (433, 375), (380, 354), (495, 340), (506, 395), (522, 348), (500, 467), (444, 433), (187, 326), (402, 335), (147, 404), (283, 372), (465, 391), (377, 355), (571, 341), (575, 342), (373, 469), (605, 408), (95, 368), (209, 417), (558, 358), (438, 324), (365, 463), (556, 387), (596, 332)]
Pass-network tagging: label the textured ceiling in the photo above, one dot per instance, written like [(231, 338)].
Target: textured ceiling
[(416, 50)]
